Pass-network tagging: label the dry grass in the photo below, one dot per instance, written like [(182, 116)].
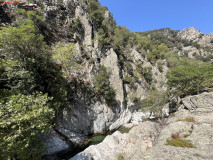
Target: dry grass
[(179, 142), (187, 119)]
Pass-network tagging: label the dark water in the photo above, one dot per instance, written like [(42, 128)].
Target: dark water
[(92, 140)]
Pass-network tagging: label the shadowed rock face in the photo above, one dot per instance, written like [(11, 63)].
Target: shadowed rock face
[(147, 141), (4, 18)]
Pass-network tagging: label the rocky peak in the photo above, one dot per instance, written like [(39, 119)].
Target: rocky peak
[(189, 34)]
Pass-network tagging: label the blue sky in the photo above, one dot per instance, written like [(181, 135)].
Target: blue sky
[(144, 15)]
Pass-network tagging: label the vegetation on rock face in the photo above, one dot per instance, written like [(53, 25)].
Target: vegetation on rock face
[(155, 101), (121, 156), (179, 142), (104, 25), (102, 85), (77, 26), (187, 119), (145, 71), (66, 55)]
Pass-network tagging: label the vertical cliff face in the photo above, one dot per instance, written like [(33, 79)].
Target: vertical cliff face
[(85, 114)]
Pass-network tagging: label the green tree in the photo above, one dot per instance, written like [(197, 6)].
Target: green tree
[(102, 85), (155, 101), (96, 12), (24, 44), (22, 118), (77, 26), (190, 78), (66, 55), (121, 37)]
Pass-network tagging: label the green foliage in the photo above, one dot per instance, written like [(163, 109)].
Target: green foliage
[(77, 26), (124, 129), (15, 77), (186, 135), (158, 38), (102, 85), (23, 42), (133, 97), (208, 58), (104, 25), (22, 118), (158, 52), (102, 37), (96, 12), (91, 60), (179, 142), (27, 69), (127, 79), (190, 77), (32, 64), (172, 60), (129, 67), (141, 42), (130, 81), (160, 66), (190, 43), (66, 55), (145, 71), (187, 119), (155, 101), (121, 156), (121, 38), (35, 16)]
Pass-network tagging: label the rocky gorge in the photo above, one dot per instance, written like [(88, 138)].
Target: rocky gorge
[(132, 75), (148, 139)]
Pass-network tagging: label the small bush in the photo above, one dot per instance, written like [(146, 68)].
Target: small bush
[(179, 142), (187, 119), (160, 66), (134, 97), (124, 130), (186, 135), (91, 60), (146, 72), (77, 26), (129, 68), (127, 79), (121, 156)]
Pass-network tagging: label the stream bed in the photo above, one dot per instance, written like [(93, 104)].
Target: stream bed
[(92, 140)]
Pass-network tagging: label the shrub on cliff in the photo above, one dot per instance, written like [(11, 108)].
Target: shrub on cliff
[(155, 101), (102, 85), (96, 12), (66, 56)]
